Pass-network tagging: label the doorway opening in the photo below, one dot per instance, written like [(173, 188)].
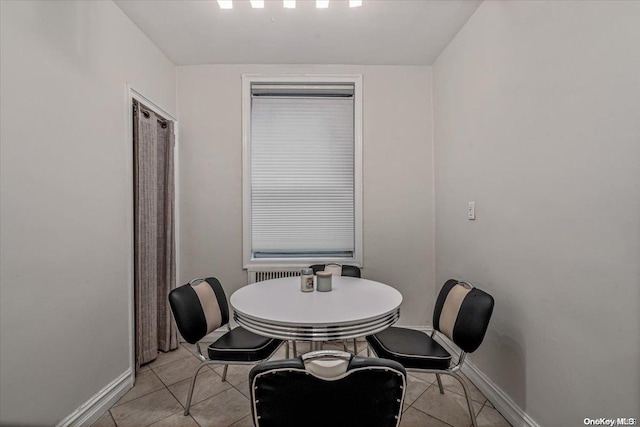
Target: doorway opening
[(153, 154)]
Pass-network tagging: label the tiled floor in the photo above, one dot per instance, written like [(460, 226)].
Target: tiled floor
[(160, 393)]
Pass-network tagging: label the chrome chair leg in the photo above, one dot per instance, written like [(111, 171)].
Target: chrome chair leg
[(295, 350), (467, 395), (440, 383), (224, 373), (286, 349), (433, 334), (192, 385)]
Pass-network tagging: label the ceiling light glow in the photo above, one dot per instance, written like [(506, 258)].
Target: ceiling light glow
[(257, 4), (289, 4), (322, 4), (225, 4), (355, 3)]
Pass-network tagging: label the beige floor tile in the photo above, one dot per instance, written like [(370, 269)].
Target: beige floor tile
[(146, 410), (333, 345), (414, 418), (449, 407), (452, 384), (192, 347), (415, 388), (245, 422), (244, 389), (490, 417), (176, 420), (358, 347), (213, 366), (104, 421), (428, 378), (170, 356), (185, 344), (339, 345), (302, 347), (221, 410), (362, 350), (280, 354), (178, 370), (207, 384), (143, 368), (146, 382), (236, 374)]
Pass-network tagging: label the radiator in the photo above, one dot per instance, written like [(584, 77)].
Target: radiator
[(259, 276)]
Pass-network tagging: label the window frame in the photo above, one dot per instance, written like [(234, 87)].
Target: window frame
[(251, 263)]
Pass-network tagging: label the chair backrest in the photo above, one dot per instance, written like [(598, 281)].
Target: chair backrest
[(345, 270), (327, 388), (462, 314), (199, 308)]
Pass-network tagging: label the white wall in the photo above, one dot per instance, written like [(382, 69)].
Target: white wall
[(65, 236), (398, 195), (537, 108)]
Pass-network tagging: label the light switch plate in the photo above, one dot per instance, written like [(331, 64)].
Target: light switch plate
[(472, 210)]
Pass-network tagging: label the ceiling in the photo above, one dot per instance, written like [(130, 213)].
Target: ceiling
[(380, 32)]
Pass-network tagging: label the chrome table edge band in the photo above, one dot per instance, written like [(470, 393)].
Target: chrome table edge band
[(332, 329), (318, 333), (335, 325)]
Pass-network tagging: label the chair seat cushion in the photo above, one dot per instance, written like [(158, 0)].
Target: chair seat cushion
[(413, 349), (240, 345)]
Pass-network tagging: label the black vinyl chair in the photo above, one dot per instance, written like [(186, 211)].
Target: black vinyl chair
[(462, 314), (327, 388), (199, 308), (344, 270)]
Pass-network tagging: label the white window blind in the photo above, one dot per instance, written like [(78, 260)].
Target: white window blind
[(302, 171)]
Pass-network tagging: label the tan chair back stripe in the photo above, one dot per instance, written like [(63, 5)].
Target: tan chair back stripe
[(334, 269), (451, 308), (209, 304), (327, 369)]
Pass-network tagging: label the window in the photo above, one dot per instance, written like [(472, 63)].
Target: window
[(302, 156)]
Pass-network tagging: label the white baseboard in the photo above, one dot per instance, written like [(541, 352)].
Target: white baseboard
[(500, 400), (97, 405)]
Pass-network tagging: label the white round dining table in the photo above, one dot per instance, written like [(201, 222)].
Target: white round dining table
[(277, 308)]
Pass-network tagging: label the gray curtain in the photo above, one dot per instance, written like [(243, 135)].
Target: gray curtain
[(154, 234)]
